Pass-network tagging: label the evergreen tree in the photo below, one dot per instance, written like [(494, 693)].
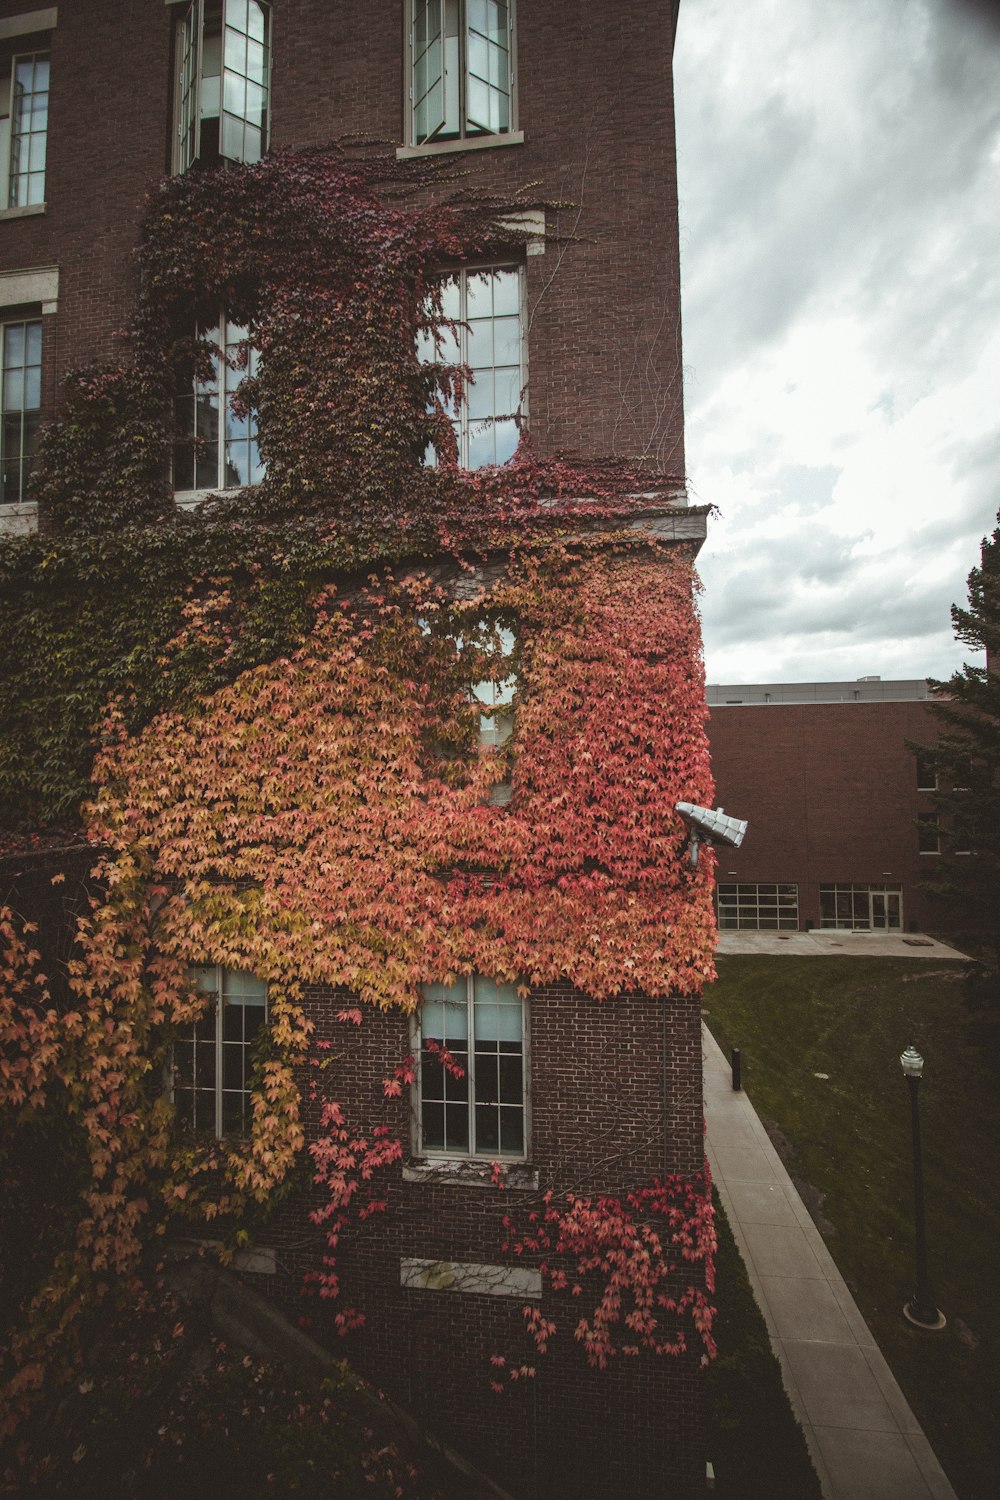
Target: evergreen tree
[(966, 760)]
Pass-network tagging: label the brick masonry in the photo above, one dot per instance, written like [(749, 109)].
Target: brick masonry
[(830, 791), (615, 1091), (615, 1088), (596, 112)]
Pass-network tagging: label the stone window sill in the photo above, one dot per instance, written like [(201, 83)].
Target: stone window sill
[(22, 213), (464, 143), (18, 520), (468, 1172)]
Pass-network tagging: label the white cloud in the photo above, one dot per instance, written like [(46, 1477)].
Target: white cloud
[(839, 213)]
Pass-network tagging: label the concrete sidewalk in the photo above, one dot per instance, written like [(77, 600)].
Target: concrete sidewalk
[(834, 943), (865, 1442)]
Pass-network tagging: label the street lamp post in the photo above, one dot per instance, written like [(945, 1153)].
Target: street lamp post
[(920, 1310)]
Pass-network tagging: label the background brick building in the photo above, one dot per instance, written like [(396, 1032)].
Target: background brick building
[(834, 800), (586, 122)]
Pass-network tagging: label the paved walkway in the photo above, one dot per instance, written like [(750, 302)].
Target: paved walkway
[(865, 1442), (849, 944)]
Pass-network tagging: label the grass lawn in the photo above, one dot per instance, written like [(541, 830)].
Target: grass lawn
[(756, 1446), (847, 1137)]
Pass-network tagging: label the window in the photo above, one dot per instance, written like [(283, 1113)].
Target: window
[(212, 1065), (222, 82), (861, 907), (212, 453), (461, 60), (484, 308), (928, 835), (496, 720), (926, 771), (758, 908), (20, 400), (24, 132), (471, 1079)]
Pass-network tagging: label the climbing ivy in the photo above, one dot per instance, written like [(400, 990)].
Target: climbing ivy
[(261, 715)]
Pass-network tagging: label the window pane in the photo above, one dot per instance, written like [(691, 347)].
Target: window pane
[(240, 987), (479, 294), (512, 1132), (256, 21), (256, 62), (32, 389), (481, 397), (498, 1023), (13, 345), (184, 1064), (445, 1022), (482, 447), (204, 1064), (456, 1127), (235, 1112), (507, 341), (479, 344), (13, 390), (487, 1130), (487, 1077), (506, 392), (511, 1078), (234, 1066), (505, 440), (235, 95), (432, 1126)]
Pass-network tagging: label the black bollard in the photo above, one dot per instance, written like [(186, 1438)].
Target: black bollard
[(735, 1058)]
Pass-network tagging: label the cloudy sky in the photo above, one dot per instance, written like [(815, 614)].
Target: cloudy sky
[(840, 242)]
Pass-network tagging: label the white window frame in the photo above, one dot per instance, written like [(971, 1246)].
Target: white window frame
[(927, 776), (227, 381), (471, 1151), (863, 892), (217, 988), (465, 135), (7, 176), (495, 697), (7, 502), (741, 904), (194, 103), (467, 428), (932, 823)]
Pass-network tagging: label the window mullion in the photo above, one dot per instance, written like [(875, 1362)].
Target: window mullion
[(471, 1068), (220, 447), (463, 66), (463, 357), (199, 35), (218, 1053)]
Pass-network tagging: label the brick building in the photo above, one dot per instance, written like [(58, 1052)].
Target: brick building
[(841, 832), (578, 333), (602, 361)]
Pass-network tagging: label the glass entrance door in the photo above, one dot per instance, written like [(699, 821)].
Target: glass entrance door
[(886, 911)]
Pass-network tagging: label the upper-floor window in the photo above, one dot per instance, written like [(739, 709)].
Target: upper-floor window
[(20, 400), (216, 442), (928, 834), (213, 1062), (472, 1082), (461, 69), (24, 132), (926, 771), (222, 82), (495, 697), (484, 313)]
